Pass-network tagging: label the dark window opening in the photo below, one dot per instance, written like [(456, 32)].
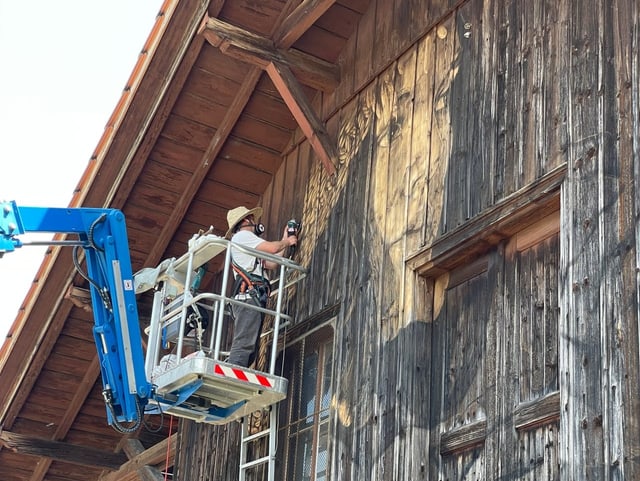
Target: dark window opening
[(303, 424)]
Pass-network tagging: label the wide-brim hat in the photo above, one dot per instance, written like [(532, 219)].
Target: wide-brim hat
[(235, 216)]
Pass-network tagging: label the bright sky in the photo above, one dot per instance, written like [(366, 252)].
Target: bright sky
[(64, 66)]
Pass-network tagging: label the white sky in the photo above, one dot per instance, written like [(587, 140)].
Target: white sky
[(64, 65)]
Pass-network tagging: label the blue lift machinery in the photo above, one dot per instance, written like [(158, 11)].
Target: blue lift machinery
[(198, 385)]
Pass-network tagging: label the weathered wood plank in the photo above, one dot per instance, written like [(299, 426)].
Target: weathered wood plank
[(528, 329), (366, 311), (538, 411), (205, 111), (416, 305), (401, 128), (201, 83), (614, 180), (345, 89), (77, 328), (327, 196), (472, 32), (171, 153), (152, 202), (418, 186), (438, 350), (353, 340), (463, 92), (412, 308), (222, 195), (377, 206), (318, 43), (444, 69), (210, 57), (249, 154), (251, 180), (187, 130), (554, 132), (273, 217), (309, 221), (531, 118), (383, 44), (363, 61), (335, 232), (62, 472), (463, 438), (507, 98), (262, 133), (581, 348), (485, 127), (625, 29), (508, 363), (72, 347), (271, 109)]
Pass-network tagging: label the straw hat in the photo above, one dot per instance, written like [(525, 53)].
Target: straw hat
[(235, 216)]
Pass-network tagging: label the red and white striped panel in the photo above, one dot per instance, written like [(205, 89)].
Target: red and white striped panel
[(241, 375)]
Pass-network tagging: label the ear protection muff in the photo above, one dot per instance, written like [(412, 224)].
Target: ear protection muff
[(258, 229)]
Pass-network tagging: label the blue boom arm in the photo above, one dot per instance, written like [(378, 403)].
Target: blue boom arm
[(103, 236)]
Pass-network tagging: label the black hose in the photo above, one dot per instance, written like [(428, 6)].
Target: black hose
[(126, 429)]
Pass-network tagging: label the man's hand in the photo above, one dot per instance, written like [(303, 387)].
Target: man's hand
[(290, 240)]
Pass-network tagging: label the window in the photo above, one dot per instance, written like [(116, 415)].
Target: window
[(303, 426), (495, 355)]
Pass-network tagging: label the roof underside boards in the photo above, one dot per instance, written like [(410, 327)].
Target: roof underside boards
[(203, 126)]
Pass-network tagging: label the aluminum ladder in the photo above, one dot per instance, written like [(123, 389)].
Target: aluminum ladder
[(249, 442)]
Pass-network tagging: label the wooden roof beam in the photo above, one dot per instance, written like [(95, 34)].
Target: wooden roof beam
[(61, 451), (261, 52), (299, 21), (141, 465), (301, 110)]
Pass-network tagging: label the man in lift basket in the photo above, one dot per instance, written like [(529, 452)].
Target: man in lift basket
[(252, 285)]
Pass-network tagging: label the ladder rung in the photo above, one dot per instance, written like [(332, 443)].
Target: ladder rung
[(255, 462), (256, 436), (270, 459)]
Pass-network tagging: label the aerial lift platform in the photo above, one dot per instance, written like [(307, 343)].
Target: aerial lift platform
[(202, 386), (199, 385)]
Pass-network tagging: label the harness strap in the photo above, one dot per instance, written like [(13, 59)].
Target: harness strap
[(244, 276), (245, 281)]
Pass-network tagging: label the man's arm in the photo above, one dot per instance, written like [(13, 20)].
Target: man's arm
[(277, 247)]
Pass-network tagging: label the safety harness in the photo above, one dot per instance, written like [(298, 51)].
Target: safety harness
[(257, 286)]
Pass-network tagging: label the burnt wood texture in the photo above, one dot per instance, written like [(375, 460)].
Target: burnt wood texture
[(480, 236), (466, 174)]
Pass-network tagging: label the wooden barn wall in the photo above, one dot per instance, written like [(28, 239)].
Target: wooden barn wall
[(446, 108)]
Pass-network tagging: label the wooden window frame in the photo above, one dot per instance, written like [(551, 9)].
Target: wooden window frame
[(497, 224)]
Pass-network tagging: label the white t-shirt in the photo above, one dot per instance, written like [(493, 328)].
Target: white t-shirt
[(246, 261)]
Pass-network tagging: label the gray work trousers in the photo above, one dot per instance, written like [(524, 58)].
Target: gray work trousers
[(247, 327)]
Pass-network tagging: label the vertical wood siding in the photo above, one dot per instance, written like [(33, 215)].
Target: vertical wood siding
[(445, 109), (599, 371)]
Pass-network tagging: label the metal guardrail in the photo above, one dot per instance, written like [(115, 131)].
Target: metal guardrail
[(199, 249)]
